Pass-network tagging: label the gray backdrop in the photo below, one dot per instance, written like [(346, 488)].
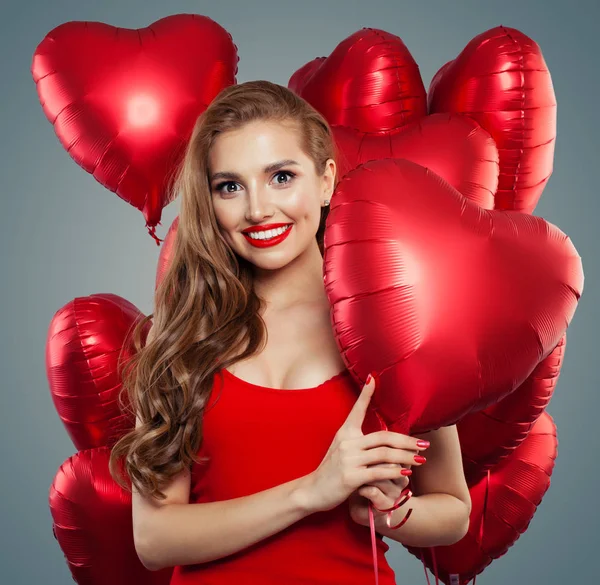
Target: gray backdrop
[(65, 236)]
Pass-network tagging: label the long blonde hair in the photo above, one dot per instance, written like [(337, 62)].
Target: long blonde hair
[(206, 309)]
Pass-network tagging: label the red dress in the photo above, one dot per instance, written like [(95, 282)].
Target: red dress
[(257, 438)]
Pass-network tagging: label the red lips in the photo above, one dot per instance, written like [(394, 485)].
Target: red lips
[(267, 226), (258, 243)]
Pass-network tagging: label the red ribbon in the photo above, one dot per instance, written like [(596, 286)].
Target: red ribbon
[(404, 496)]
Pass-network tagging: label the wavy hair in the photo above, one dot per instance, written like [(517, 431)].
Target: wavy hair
[(205, 307)]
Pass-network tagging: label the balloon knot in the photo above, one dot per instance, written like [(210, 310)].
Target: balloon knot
[(152, 232)]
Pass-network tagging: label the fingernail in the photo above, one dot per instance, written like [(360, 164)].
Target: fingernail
[(420, 459), (376, 379), (369, 378), (423, 444), (406, 472)]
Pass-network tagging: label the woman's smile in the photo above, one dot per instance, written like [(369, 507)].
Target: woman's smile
[(268, 238)]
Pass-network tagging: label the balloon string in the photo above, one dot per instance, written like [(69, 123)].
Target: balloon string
[(425, 566), (373, 543), (435, 569), (404, 496), (485, 499)]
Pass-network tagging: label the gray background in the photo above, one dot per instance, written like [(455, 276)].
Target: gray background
[(65, 236)]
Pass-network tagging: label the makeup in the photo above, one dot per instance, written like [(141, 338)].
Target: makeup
[(271, 241)]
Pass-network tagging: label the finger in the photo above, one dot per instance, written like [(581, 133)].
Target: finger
[(392, 439), (385, 486), (390, 487), (401, 481), (376, 496), (391, 455), (359, 410)]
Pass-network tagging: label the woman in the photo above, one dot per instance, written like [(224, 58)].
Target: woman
[(275, 455)]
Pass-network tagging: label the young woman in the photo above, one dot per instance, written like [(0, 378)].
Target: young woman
[(243, 404)]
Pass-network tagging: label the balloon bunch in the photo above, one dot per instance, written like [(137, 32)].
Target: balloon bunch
[(438, 276), (123, 104)]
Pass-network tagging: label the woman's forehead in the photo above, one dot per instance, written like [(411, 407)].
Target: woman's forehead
[(255, 151)]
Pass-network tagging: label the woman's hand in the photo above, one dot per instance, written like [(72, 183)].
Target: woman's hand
[(352, 458), (382, 494)]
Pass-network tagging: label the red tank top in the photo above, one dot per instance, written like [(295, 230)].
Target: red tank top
[(257, 438)]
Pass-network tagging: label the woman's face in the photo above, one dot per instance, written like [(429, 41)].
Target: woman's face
[(249, 188)]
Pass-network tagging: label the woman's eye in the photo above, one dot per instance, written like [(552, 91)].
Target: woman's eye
[(221, 187), (289, 173)]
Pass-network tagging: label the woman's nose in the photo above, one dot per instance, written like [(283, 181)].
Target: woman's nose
[(259, 206)]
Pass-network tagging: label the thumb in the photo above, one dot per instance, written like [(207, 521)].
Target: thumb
[(357, 415)]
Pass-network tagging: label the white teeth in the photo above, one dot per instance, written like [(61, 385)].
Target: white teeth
[(268, 234)]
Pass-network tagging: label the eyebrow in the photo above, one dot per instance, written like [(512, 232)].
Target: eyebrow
[(268, 169)]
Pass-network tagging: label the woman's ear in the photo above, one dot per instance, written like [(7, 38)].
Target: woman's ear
[(329, 178)]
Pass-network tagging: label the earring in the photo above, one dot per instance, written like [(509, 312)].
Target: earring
[(326, 202)]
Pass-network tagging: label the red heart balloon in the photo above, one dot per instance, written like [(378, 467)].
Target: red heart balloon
[(84, 343), (454, 147), (93, 525), (452, 305), (503, 505), (501, 80), (358, 88), (123, 102), (370, 82), (488, 436)]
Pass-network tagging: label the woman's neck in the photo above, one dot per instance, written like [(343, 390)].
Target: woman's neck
[(299, 282)]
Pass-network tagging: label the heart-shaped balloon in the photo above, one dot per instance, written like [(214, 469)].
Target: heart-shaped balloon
[(451, 305), (501, 80), (370, 82), (371, 92), (123, 102), (503, 505), (455, 147), (93, 525), (84, 343), (488, 436)]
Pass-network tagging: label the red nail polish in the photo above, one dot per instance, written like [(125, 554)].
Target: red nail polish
[(376, 376), (420, 459), (368, 381), (406, 472), (422, 443)]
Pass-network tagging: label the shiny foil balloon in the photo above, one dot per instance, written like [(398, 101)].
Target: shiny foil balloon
[(455, 147), (493, 96), (123, 102), (503, 505), (83, 345), (92, 522), (451, 305), (370, 82), (501, 80), (491, 434)]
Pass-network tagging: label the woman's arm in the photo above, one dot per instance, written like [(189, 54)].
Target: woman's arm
[(441, 502), (184, 534)]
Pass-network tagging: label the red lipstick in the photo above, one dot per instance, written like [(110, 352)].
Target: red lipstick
[(271, 241), (266, 226)]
